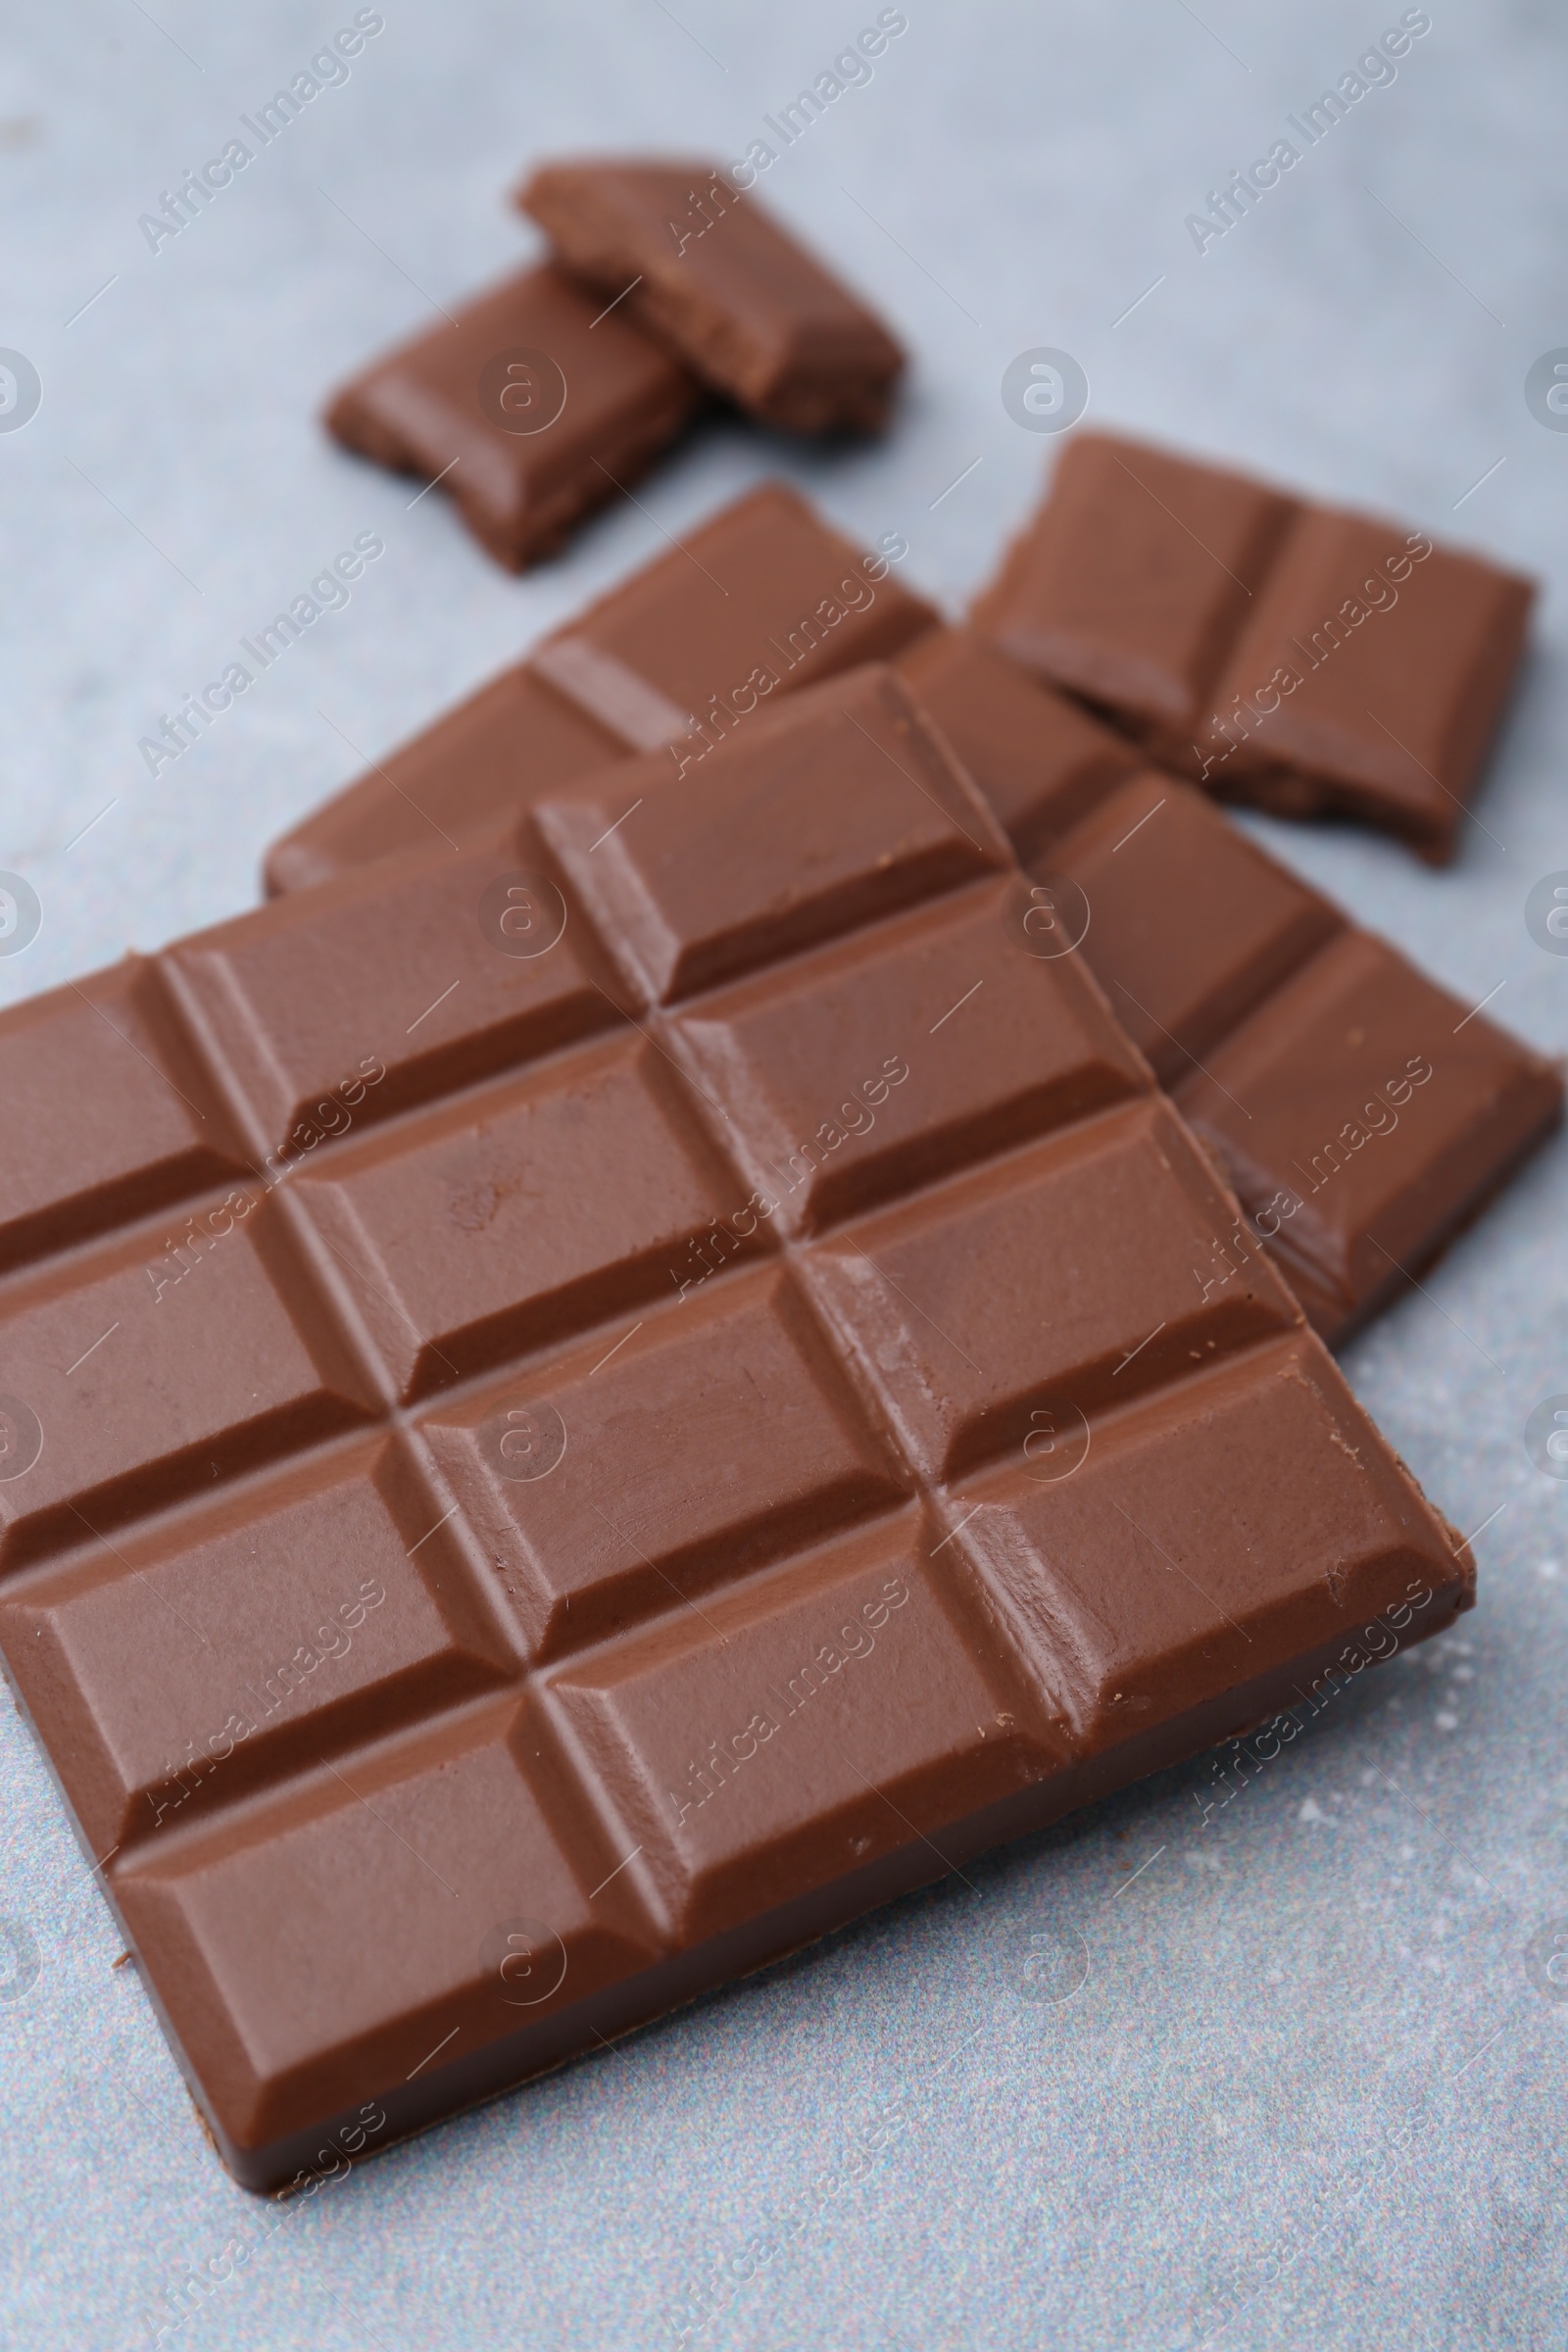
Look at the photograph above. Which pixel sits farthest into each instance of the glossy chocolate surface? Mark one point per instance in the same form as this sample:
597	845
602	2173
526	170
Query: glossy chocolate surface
710	273
608	1401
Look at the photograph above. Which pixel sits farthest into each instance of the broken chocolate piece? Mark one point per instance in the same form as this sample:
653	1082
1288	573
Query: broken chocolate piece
528	408
1280	653
710	273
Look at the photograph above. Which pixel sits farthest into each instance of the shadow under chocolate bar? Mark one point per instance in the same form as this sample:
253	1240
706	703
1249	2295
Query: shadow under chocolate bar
581	1410
1308	661
1363	1115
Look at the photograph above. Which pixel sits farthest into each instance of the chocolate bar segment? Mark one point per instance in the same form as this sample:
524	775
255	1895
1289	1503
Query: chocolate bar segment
333	1615
856	1691
157	1132
537	1509
530	409
1306	660
1039	760
764	599
1367	679
973	1377
1238	982
762	1046
617	1523
1192	926
760	600
711	274
323	1044
882	821
1364	1115
254	1931
1155	1595
1129	585
132	1377
457	1248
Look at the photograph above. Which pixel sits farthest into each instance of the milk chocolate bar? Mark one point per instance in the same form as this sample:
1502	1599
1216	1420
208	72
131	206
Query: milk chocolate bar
1304	659
606	1402
707	271
1362	1114
529	408
762	599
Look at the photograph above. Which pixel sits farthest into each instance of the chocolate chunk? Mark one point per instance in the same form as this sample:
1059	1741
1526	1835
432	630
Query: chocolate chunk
1363	1113
1303	660
530	409
761	599
1367	680
706	1403
786	869
712	275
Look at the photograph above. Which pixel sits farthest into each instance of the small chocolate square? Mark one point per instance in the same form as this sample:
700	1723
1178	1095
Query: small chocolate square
528	407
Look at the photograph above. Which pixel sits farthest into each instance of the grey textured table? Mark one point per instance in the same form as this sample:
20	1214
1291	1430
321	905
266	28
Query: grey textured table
1288	2070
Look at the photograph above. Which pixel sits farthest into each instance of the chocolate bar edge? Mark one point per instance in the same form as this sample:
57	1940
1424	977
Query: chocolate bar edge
594	2026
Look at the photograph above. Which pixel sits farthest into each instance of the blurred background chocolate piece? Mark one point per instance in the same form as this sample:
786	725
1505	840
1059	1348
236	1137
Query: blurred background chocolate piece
1280	653
528	408
714	276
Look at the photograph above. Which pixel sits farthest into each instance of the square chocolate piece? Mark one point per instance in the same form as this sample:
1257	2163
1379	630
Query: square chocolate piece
711	274
529	408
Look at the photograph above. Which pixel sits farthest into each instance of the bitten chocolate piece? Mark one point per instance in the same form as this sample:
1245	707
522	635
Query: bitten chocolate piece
530	409
706	1404
710	273
762	599
1306	661
1363	1113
